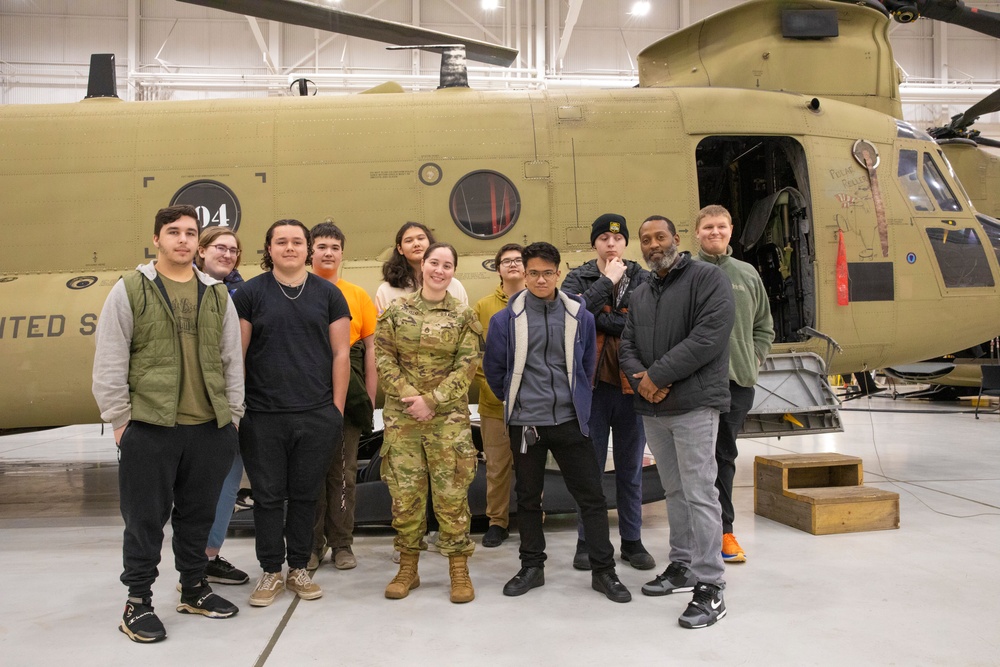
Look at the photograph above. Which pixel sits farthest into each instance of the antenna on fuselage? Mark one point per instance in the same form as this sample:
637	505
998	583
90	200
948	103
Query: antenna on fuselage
101	81
302	87
454	73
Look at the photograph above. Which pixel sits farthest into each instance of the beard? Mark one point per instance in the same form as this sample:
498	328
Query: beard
662	262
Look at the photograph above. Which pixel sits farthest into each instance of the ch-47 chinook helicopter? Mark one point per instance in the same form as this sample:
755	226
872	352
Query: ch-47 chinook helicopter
978	169
820	182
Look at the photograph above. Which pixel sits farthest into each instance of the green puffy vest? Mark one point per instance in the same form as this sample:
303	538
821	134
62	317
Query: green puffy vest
154	374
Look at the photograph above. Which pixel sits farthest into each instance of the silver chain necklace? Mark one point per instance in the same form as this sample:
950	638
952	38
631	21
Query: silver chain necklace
301	288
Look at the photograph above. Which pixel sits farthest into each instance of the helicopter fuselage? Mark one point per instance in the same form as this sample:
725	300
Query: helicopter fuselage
83	181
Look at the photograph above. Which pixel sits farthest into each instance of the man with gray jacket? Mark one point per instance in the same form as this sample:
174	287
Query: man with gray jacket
168	375
675	353
540	358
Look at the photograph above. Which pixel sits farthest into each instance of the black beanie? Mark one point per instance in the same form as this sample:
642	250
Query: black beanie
609	222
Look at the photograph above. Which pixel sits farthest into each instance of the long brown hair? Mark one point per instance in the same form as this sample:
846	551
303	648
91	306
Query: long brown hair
397	271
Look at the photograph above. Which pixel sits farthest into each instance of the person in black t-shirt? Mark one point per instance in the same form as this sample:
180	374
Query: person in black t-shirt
295	328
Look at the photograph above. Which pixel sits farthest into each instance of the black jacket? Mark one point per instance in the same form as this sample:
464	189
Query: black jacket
678	331
598	291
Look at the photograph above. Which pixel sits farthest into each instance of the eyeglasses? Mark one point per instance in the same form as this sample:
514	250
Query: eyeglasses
226	250
514	261
548	275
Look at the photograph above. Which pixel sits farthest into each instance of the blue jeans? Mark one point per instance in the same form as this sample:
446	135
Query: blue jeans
226	504
611	409
684	447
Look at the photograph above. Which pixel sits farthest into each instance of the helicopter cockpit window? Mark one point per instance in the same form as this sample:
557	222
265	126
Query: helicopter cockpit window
485	204
961	257
954	177
992	229
938	186
908	178
906	131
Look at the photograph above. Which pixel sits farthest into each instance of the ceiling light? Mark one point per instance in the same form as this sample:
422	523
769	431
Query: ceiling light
640	8
490	5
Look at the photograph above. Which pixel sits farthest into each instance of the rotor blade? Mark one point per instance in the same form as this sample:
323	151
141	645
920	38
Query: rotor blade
988	104
986	141
308	15
956	12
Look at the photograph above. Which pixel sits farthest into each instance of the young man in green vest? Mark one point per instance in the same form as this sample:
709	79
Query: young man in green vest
168	375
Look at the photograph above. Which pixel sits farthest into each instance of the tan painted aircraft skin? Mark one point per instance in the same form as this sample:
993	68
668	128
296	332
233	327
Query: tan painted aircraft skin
81	184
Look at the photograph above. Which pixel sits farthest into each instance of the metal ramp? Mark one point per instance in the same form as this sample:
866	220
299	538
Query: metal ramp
792	397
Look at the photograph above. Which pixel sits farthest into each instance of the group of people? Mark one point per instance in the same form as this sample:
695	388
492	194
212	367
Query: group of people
202	374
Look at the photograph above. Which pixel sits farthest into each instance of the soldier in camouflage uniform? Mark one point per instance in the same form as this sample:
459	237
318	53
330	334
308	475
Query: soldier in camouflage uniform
427	352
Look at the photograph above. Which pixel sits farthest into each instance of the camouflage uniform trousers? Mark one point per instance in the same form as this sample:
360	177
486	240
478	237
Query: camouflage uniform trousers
438	454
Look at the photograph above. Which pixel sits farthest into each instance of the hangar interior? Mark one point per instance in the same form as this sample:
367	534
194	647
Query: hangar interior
166	49
922	594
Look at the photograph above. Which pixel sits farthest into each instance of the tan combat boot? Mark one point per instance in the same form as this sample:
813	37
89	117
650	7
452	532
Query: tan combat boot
406	579
461	584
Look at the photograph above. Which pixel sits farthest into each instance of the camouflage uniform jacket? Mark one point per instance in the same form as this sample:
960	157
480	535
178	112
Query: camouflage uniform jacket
427	349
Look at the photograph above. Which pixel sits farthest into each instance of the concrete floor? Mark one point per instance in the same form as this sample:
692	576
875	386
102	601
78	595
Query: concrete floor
926	594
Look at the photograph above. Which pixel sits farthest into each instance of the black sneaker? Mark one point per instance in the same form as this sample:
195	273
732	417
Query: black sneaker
676	579
525	579
494	536
581	561
705	608
607	582
221	571
140	623
203	601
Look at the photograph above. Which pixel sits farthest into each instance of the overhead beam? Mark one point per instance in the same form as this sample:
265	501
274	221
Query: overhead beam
473	21
259	36
326	42
571	16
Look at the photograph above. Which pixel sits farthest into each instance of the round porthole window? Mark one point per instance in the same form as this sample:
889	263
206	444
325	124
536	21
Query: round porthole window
485	204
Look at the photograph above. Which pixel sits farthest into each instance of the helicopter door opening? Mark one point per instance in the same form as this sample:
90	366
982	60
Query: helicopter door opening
763	183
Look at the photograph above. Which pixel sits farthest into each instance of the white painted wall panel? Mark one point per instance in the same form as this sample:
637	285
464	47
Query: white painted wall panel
64	7
38	39
974	57
212	44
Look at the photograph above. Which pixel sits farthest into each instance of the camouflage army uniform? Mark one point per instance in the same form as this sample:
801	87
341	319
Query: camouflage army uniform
430	350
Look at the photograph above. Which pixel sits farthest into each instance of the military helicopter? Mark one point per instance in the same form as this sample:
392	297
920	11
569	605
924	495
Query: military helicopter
856	272
978	169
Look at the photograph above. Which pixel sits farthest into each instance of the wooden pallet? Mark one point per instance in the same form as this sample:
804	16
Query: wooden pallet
821	494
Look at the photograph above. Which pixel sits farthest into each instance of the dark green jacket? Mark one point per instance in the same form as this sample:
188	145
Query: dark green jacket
358	408
137	366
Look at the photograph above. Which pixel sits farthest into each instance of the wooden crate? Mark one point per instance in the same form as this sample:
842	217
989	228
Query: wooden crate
821	494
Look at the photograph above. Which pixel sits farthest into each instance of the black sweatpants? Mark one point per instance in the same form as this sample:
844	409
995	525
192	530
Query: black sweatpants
170	472
574	452
287	456
726	452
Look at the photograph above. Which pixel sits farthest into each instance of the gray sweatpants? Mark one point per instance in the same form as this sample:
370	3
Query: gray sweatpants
684	448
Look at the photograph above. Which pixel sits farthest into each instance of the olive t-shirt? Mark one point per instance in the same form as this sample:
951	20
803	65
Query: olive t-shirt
193	405
289	362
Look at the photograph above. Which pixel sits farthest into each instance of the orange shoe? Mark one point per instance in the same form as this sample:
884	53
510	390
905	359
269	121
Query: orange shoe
732	552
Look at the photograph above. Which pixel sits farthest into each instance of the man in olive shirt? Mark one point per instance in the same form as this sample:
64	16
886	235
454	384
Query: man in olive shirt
168	375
